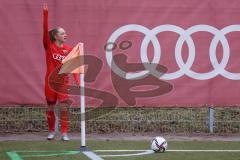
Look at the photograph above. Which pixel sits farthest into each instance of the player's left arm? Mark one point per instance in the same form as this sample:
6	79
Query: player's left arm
76	78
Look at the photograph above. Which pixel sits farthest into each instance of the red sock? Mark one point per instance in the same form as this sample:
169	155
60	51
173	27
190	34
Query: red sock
51	120
64	121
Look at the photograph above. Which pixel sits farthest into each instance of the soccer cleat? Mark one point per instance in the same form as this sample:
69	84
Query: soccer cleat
51	136
65	137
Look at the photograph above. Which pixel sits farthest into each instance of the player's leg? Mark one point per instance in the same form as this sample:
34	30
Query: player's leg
51	98
64	104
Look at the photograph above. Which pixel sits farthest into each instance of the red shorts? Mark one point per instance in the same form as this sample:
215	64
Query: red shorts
58	90
52	96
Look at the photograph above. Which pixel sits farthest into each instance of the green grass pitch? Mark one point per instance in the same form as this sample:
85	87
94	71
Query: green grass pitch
58	150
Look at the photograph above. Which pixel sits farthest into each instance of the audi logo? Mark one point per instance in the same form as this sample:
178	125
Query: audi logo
184	67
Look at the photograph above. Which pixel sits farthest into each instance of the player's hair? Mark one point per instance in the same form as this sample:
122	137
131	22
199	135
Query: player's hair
52	33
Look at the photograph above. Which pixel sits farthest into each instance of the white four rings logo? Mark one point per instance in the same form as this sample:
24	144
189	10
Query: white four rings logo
184	67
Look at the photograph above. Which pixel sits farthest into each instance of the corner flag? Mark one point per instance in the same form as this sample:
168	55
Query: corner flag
73	63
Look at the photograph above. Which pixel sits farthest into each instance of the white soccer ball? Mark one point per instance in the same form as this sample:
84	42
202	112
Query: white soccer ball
159	144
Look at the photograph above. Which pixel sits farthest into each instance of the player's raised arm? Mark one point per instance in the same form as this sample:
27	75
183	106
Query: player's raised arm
46	38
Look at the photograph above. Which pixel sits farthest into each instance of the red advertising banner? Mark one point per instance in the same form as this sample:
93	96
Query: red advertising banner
139	53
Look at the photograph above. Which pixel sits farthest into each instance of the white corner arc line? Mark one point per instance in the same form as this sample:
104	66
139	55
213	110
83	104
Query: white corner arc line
146	152
120	150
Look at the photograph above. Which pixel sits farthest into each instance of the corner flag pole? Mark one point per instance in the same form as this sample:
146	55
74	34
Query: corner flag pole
83	125
91	155
82	101
77	51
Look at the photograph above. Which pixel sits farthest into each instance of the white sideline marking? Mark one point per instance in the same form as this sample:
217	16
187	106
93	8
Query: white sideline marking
146	152
223	150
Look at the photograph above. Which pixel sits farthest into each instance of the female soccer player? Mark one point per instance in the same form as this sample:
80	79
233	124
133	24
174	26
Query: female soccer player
56	50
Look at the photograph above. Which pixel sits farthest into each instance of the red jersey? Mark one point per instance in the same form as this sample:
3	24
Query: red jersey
54	54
